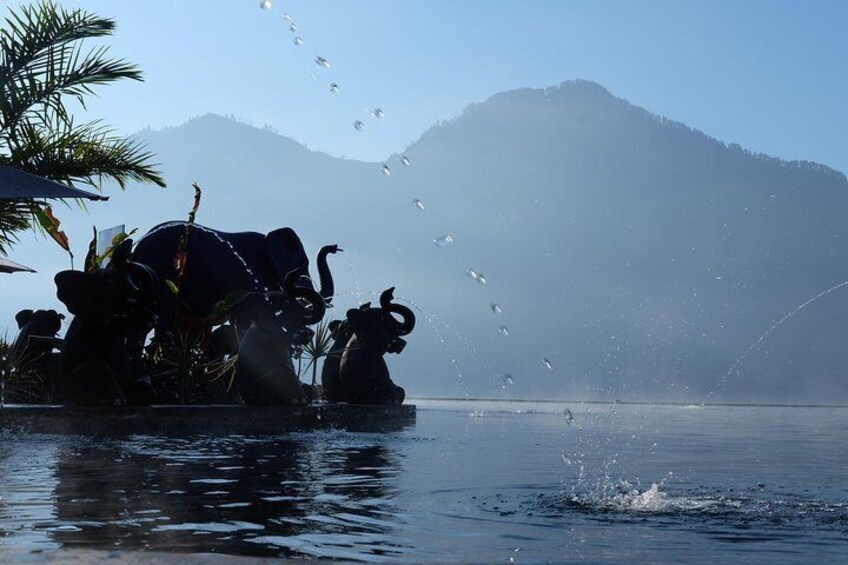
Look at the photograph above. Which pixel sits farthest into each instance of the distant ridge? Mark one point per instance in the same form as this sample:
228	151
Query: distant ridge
637	254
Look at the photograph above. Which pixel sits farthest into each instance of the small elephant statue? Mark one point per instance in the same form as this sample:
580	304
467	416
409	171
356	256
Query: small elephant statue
109	305
355	371
38	334
34	356
264	371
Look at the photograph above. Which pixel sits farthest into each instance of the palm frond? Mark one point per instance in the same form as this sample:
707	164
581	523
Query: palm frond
87	153
42	60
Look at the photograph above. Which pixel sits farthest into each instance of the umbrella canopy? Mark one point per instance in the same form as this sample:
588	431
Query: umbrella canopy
18	185
7	266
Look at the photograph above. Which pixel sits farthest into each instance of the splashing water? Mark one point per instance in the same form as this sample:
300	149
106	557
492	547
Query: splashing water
496	308
386	170
265	4
472	272
547	363
481	278
745	354
443	241
287	16
569	417
297	41
405	161
417	204
377	113
503	330
292	28
357	125
507	381
333	87
322	62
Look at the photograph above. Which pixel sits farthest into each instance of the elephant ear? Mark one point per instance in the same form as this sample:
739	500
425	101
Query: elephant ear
285	252
74	290
23	317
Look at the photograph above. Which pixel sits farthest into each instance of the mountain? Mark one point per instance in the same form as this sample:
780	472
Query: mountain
640	257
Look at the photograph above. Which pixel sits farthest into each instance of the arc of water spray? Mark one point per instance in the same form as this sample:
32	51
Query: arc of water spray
745	354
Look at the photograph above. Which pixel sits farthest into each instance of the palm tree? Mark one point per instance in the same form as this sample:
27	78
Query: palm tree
44	62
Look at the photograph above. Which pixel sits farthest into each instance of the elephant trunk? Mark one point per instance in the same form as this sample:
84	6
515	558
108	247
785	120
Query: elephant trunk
307	316
326	277
408	324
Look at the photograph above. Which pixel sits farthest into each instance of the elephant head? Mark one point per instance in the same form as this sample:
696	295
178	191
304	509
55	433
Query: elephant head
286	253
378	325
120	290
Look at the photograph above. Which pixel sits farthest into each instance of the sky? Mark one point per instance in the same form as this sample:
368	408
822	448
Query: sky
769	75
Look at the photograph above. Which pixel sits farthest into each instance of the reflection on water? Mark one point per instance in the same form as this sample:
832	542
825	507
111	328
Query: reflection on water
328	494
470	482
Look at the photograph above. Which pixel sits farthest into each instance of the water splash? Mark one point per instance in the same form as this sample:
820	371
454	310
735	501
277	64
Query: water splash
405	161
358	125
386	170
287	17
503	330
443	241
472	272
569	417
297	41
333	87
745	354
507	381
293	27
322	62
417	204
547	363
496	308
481	278
378	113
265	4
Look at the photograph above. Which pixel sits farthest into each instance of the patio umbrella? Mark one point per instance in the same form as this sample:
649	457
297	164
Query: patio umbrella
18	185
7	266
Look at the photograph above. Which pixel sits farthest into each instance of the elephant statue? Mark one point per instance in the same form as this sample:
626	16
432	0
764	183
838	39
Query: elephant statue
264	371
38	334
34	360
219	264
109	305
355	371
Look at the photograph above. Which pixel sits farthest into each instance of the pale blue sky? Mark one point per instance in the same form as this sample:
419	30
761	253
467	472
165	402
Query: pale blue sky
770	75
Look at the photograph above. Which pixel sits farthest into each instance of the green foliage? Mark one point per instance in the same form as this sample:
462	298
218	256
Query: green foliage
44	63
317	348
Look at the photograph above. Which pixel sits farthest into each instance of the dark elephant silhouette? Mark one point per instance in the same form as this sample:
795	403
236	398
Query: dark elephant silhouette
38	334
355	371
219	264
264	371
109	305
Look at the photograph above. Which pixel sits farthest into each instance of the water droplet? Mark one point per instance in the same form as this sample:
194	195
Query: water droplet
496	308
386	170
405	161
569	416
265	4
443	241
547	363
292	28
503	330
418	204
297	41
508	380
358	126
472	272
286	16
481	278
322	62
377	113
333	87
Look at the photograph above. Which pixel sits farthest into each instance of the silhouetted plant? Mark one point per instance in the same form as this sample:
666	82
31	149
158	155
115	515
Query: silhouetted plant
43	63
